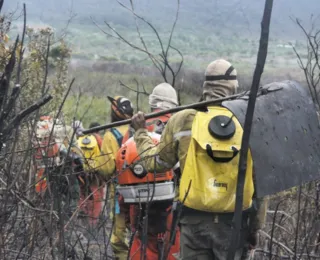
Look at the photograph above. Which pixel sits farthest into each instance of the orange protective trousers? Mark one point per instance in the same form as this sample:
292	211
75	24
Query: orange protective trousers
152	245
93	205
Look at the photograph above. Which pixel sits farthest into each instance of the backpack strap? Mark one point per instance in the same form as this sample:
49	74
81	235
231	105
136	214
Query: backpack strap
117	135
99	140
119	139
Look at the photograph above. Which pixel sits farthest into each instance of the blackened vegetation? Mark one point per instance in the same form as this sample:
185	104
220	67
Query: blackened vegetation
49	227
32	225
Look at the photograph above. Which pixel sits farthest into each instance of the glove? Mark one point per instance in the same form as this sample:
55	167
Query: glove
252	240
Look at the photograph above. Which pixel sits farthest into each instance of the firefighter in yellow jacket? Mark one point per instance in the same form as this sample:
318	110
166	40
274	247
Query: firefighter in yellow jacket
209	168
121	108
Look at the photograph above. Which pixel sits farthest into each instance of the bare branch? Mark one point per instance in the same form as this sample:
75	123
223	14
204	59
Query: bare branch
277	242
22	44
137	91
1	4
19	117
160	61
144	92
311	68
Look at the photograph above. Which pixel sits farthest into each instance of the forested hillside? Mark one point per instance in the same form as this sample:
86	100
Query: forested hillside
204	28
198	15
62	61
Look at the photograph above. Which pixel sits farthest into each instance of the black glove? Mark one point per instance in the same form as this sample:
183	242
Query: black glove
252	240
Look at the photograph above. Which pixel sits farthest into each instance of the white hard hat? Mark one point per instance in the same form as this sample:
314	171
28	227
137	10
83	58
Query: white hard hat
163	96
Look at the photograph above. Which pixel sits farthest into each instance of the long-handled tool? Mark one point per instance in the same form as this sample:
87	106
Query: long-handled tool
164	112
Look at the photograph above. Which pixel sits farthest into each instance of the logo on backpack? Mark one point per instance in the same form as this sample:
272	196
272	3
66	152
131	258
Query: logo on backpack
217	184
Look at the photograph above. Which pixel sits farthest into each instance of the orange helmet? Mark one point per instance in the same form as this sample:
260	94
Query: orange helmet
121	108
133	178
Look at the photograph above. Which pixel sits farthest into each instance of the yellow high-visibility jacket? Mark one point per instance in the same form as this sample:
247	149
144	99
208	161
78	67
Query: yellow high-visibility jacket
106	162
173	148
